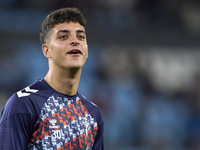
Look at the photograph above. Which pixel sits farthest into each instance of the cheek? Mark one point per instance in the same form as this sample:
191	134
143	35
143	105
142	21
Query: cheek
86	51
56	51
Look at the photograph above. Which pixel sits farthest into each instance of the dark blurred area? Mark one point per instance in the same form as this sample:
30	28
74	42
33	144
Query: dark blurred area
143	69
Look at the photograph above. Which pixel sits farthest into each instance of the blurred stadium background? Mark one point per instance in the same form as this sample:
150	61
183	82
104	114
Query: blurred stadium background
143	68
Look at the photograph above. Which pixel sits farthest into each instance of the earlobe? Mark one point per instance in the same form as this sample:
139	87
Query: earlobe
46	51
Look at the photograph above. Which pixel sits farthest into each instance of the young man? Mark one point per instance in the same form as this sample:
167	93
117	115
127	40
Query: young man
50	113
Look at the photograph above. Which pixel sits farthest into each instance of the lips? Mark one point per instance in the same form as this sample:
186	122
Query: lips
74	51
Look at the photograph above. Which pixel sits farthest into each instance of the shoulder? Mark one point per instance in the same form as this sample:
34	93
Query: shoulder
92	108
26	101
87	103
14	105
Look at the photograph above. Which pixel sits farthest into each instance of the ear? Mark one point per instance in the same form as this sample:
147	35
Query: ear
46	51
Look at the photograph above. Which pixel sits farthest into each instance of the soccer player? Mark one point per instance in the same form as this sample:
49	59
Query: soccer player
51	114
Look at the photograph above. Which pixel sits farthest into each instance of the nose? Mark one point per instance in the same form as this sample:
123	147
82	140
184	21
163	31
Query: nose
74	41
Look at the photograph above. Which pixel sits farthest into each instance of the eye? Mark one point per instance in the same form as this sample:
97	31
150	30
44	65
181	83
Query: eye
81	37
63	37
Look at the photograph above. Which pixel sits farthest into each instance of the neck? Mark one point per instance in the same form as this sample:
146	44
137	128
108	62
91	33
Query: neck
64	81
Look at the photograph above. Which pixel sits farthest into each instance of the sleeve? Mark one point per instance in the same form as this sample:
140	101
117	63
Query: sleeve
15	125
14	132
99	141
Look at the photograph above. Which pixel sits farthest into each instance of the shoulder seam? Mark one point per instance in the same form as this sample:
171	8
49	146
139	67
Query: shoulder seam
15	114
82	96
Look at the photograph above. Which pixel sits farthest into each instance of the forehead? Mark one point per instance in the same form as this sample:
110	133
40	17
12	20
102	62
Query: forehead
71	26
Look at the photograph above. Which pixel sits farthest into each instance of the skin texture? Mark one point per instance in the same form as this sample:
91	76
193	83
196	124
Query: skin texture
67	51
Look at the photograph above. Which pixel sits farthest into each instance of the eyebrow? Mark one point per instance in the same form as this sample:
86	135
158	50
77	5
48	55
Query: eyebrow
67	31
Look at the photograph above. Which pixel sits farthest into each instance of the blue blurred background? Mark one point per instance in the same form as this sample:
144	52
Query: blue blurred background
143	69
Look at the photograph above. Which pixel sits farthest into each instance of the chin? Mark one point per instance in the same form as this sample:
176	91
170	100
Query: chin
75	66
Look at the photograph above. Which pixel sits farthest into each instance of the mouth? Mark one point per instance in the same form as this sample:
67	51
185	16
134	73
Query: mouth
74	52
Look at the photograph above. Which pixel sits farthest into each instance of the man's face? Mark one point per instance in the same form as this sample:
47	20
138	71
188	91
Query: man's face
67	46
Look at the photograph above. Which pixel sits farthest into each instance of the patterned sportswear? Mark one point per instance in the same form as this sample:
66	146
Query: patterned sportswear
38	117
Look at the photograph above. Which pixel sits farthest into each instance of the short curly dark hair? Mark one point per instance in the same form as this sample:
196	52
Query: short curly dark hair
60	16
